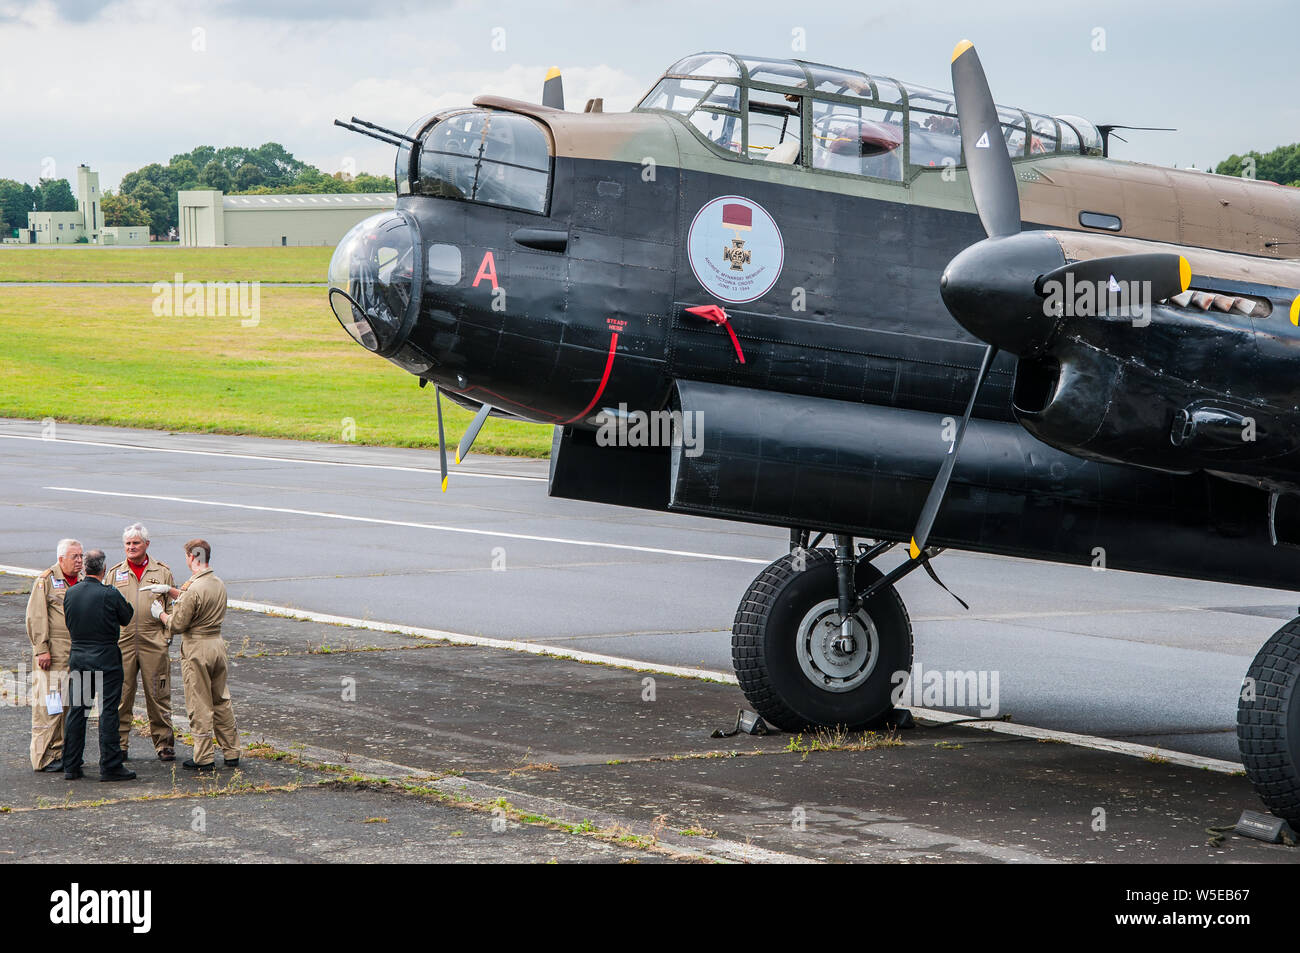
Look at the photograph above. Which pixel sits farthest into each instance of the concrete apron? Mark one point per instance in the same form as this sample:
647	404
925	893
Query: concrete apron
377	746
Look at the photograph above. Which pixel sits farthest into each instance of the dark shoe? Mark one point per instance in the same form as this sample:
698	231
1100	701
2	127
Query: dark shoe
166	754
53	766
76	775
189	765
117	774
232	762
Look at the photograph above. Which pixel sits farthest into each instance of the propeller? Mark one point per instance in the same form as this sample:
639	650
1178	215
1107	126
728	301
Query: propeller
442	440
940	487
475	425
995	288
553	89
992	180
1168	274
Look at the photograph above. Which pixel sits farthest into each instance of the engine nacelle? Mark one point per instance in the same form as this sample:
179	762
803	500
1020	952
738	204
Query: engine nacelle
1096	405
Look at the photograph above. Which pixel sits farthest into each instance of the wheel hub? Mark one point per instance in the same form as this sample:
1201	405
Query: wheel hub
832	658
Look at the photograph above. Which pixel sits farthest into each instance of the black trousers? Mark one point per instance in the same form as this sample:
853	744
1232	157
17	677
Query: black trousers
85	663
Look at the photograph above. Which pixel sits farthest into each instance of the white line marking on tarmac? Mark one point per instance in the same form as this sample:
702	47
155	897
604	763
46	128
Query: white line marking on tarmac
456	638
271	459
437	527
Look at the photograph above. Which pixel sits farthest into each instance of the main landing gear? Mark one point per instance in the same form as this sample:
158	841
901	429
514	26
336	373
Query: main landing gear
822	639
820	635
1268	723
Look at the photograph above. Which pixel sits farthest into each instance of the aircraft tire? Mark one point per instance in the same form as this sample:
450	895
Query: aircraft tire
1268	724
768	664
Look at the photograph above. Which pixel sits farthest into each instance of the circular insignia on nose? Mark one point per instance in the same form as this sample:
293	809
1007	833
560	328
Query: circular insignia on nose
735	249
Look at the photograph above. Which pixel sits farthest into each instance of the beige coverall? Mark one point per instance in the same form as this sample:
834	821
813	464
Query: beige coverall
145	652
48	632
197	618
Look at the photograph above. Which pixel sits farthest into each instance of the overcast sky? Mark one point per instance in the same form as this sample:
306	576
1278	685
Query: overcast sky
121	84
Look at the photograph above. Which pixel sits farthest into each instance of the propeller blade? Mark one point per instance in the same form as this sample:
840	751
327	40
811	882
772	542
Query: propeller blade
1168	274
442	442
992	180
475	425
940	487
553	89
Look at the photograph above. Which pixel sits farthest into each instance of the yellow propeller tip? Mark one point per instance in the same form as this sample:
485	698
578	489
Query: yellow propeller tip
1184	272
458	458
552	73
961	48
1295	311
913	550
444	484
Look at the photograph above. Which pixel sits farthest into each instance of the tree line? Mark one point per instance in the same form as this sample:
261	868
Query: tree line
19	198
147	196
1282	165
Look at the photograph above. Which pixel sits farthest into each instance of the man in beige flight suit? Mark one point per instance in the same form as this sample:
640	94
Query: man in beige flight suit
145	644
197	616
51	646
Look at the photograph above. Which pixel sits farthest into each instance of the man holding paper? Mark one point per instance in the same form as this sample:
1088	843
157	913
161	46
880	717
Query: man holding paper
200	609
96	613
50	648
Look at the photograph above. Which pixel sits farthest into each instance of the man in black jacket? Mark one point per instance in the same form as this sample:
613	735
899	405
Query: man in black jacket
95	619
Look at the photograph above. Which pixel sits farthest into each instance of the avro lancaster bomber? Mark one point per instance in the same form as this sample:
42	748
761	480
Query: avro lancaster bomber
900	317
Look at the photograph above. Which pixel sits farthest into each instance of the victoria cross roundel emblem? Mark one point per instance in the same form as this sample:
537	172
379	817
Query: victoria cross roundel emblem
735	249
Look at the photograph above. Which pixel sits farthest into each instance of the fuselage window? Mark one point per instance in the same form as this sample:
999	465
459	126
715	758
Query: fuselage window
495	158
444	264
1110	223
860	140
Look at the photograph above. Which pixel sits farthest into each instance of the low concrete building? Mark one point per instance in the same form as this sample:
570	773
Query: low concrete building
209	218
124	235
67	228
56	228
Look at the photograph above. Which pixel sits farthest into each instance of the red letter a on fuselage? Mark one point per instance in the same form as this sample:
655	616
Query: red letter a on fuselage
487	270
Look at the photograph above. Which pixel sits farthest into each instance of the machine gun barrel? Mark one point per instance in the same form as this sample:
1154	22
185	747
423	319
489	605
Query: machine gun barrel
372	135
391	132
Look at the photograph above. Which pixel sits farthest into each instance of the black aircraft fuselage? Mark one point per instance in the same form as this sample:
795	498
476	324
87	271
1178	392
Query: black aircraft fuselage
840	413
772	291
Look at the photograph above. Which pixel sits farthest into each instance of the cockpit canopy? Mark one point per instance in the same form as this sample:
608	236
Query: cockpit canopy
478	155
799	113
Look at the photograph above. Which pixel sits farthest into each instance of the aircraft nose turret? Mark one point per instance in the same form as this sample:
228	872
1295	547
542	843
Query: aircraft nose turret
374	281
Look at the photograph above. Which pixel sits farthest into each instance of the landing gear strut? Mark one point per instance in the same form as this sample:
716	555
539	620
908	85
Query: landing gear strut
1268	723
819	636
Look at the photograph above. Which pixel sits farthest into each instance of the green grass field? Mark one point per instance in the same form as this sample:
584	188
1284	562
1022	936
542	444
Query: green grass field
99	355
86	263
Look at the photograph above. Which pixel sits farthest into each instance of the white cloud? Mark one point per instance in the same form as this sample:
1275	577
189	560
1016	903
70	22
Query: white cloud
119	84
253	82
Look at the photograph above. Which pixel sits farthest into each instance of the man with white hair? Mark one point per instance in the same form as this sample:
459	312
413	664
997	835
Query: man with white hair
51	647
145	643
